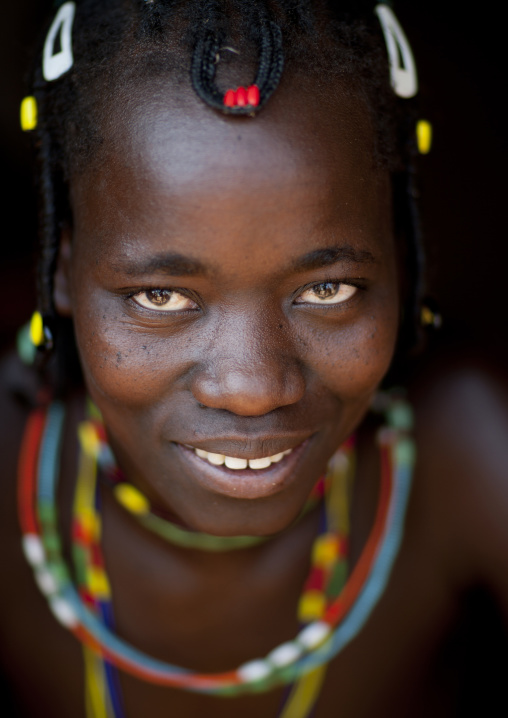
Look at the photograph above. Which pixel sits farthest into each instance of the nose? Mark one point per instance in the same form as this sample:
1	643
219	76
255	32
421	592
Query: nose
251	368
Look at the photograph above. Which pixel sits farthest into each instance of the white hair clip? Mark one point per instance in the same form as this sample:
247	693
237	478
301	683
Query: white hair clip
56	64
403	76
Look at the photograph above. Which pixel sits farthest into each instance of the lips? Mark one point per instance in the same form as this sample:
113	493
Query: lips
242	477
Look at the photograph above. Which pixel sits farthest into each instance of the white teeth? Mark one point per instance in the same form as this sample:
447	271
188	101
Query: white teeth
233	462
260	463
278	457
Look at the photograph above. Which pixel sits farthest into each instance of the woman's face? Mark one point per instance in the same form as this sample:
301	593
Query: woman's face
233	285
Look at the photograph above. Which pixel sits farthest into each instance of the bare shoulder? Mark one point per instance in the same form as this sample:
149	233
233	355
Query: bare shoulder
461	405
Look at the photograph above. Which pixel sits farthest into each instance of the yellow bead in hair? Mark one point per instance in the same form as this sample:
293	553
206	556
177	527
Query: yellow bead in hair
429	318
424	136
37	329
28	114
132	499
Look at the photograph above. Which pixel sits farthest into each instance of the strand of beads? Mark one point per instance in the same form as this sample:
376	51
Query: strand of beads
101	678
102	686
326	554
133	501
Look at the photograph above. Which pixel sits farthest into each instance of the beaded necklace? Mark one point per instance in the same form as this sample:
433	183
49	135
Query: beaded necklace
328	571
314	646
93	440
326	578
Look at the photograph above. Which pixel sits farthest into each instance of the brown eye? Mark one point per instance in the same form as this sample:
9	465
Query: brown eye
327	293
326	290
163	300
159	296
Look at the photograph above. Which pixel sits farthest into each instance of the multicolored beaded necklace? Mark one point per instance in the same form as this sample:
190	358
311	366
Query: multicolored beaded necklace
326	578
93	440
334	616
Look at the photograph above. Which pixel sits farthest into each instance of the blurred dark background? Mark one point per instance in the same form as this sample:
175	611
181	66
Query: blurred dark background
462	74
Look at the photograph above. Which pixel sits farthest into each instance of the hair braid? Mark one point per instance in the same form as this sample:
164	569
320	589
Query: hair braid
271	59
48	215
151	20
203	68
49	239
266	33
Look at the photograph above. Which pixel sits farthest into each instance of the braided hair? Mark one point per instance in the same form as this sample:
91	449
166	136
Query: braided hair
116	40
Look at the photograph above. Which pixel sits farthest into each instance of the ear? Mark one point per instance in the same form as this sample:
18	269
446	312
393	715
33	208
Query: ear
62	294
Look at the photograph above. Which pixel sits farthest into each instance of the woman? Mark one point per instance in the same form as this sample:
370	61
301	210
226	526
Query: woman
238	257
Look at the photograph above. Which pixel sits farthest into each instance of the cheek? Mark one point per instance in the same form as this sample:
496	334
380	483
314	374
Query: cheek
120	361
352	361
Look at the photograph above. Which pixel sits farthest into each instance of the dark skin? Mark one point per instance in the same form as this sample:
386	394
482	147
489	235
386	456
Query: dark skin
272	242
244	359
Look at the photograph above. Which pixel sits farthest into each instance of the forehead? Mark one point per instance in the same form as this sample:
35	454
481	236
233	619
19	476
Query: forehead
166	158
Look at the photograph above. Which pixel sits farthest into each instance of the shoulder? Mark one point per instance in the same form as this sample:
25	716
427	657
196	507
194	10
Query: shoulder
19	387
18	393
461	431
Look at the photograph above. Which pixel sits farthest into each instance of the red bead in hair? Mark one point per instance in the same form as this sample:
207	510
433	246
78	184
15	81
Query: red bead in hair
253	95
241	97
230	98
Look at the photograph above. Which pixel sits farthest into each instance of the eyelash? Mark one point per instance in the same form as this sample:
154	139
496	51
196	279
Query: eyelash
357	283
129	297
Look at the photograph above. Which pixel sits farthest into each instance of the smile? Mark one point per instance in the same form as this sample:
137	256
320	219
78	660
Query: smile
240	477
238	464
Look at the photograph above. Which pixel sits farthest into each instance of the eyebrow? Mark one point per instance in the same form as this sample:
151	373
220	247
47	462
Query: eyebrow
174	264
331	255
170	264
